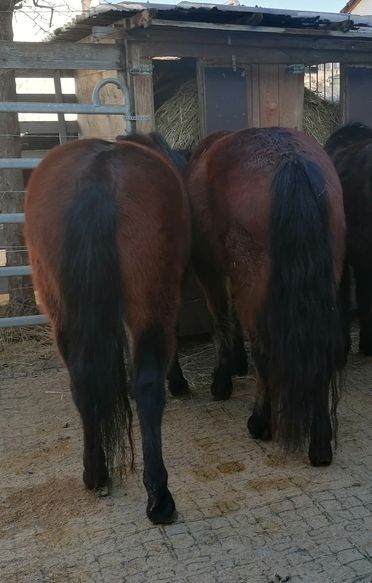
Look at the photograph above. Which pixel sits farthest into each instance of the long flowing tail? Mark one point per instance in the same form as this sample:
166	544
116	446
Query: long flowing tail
302	335
92	330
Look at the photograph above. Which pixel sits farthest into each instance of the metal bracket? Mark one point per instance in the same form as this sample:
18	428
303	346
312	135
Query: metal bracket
145	69
296	69
138	117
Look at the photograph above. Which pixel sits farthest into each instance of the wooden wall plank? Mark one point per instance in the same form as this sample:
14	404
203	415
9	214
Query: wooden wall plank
253	95
59	55
269	95
291	98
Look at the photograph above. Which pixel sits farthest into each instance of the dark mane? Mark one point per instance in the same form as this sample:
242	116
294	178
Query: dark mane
347	135
156	141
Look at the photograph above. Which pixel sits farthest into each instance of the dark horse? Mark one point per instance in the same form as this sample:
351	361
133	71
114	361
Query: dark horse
108	229
268	245
350	147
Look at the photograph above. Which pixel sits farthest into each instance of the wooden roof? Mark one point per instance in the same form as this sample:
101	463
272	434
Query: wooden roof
297	22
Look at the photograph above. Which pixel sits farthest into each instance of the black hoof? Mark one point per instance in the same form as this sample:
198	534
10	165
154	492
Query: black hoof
105	490
320	456
259	428
101	483
222	389
179	387
162	509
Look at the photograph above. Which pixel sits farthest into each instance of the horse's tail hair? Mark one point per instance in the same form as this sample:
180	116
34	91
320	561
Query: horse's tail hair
92	328
302	334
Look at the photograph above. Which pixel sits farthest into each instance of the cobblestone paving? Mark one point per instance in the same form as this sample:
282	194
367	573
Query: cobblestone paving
247	513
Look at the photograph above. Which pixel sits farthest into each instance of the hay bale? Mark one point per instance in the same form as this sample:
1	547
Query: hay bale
177	119
321	117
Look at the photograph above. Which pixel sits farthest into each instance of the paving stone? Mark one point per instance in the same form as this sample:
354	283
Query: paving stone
246	511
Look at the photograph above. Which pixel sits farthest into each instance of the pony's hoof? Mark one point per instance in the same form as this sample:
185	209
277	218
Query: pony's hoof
259	428
320	456
101	484
162	509
222	390
180	388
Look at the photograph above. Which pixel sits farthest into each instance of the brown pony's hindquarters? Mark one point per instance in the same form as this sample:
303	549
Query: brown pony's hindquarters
350	148
108	229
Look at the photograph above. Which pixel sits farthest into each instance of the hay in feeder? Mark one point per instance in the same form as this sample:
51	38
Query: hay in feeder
177	119
321	117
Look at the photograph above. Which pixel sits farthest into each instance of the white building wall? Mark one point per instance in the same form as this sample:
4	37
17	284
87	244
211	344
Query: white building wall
364	8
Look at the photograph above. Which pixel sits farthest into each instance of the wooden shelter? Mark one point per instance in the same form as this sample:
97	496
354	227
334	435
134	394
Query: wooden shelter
248	61
248	64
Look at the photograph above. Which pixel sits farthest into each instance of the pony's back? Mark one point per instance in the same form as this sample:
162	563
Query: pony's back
347	135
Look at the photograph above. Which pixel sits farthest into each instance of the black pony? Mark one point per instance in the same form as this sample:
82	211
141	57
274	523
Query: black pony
350	148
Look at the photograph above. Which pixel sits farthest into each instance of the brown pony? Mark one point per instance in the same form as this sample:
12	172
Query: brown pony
350	148
107	225
268	243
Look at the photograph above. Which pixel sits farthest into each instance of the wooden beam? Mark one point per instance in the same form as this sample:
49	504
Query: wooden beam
45	97
142	89
41	73
252	39
252	54
45	128
58	55
257	29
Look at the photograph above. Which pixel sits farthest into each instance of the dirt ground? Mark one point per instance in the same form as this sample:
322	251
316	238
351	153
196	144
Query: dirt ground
247	513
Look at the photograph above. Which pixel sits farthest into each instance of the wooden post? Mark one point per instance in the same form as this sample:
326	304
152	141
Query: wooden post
62	128
141	82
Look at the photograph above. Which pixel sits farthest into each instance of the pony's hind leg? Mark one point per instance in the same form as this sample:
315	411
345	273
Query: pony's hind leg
177	384
95	473
320	448
213	282
150	371
363	281
239	355
260	422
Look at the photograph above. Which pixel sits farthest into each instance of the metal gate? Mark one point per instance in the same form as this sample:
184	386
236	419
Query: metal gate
94	108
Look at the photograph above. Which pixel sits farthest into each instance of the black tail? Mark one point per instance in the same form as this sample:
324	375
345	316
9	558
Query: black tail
92	329
302	335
